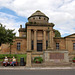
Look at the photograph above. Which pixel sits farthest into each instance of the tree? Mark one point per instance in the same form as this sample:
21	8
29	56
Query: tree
57	33
3	32
10	37
6	36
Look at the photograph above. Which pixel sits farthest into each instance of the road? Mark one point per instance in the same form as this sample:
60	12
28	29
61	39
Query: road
37	72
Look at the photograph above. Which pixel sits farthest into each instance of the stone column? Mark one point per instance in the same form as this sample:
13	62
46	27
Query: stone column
44	40
28	39
28	59
35	40
51	39
48	39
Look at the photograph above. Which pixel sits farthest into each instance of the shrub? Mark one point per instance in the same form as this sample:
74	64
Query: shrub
74	58
38	59
2	56
21	56
17	56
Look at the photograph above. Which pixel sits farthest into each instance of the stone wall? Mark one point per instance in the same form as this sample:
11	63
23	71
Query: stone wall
5	49
38	19
62	43
56	56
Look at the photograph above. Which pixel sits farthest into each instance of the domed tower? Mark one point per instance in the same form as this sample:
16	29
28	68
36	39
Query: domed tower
38	29
38	17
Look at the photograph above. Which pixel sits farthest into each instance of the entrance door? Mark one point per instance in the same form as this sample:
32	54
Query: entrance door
39	46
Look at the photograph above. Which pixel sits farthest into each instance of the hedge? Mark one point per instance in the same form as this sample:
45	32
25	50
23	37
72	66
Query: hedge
17	56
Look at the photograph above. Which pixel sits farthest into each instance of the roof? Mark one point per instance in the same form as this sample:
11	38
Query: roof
70	35
58	37
38	13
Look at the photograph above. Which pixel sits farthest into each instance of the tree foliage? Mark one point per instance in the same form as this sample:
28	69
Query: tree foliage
3	33
57	33
6	35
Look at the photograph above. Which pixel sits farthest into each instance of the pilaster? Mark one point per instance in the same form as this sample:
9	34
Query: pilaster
44	39
28	39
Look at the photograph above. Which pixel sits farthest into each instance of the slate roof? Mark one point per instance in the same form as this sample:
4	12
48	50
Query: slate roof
38	13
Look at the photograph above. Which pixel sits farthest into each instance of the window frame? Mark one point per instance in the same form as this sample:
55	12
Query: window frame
18	46
73	46
57	46
32	45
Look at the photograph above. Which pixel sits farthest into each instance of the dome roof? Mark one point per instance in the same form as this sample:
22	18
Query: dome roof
38	13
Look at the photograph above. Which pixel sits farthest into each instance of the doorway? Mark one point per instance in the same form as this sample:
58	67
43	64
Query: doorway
39	46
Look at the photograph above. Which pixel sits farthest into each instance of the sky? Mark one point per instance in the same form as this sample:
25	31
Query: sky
14	13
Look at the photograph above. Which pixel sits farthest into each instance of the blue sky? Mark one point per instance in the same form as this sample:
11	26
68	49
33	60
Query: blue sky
60	12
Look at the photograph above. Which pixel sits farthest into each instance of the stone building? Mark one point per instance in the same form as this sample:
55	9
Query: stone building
38	36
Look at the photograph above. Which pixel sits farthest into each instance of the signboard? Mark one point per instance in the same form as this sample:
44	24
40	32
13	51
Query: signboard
56	55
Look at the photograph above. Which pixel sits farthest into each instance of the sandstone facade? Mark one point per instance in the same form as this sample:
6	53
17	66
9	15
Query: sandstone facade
38	36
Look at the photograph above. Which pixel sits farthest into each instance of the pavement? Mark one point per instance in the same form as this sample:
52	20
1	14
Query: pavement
33	68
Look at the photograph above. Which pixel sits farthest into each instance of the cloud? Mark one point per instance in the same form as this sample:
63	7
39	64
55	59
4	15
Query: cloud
10	22
60	12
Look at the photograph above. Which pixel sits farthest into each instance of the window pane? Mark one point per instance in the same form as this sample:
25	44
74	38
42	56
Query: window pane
57	45
73	46
18	46
32	45
46	44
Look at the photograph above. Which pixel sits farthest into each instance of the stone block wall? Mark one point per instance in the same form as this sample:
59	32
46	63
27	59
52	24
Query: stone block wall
5	49
62	43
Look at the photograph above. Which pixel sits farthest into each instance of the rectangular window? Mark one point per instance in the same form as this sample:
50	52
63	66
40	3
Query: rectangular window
73	46
46	44
57	45
32	45
18	46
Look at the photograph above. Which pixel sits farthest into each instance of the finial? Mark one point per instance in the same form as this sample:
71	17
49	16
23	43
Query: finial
20	26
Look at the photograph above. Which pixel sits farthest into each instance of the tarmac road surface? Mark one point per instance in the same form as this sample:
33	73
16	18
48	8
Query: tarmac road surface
38	72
